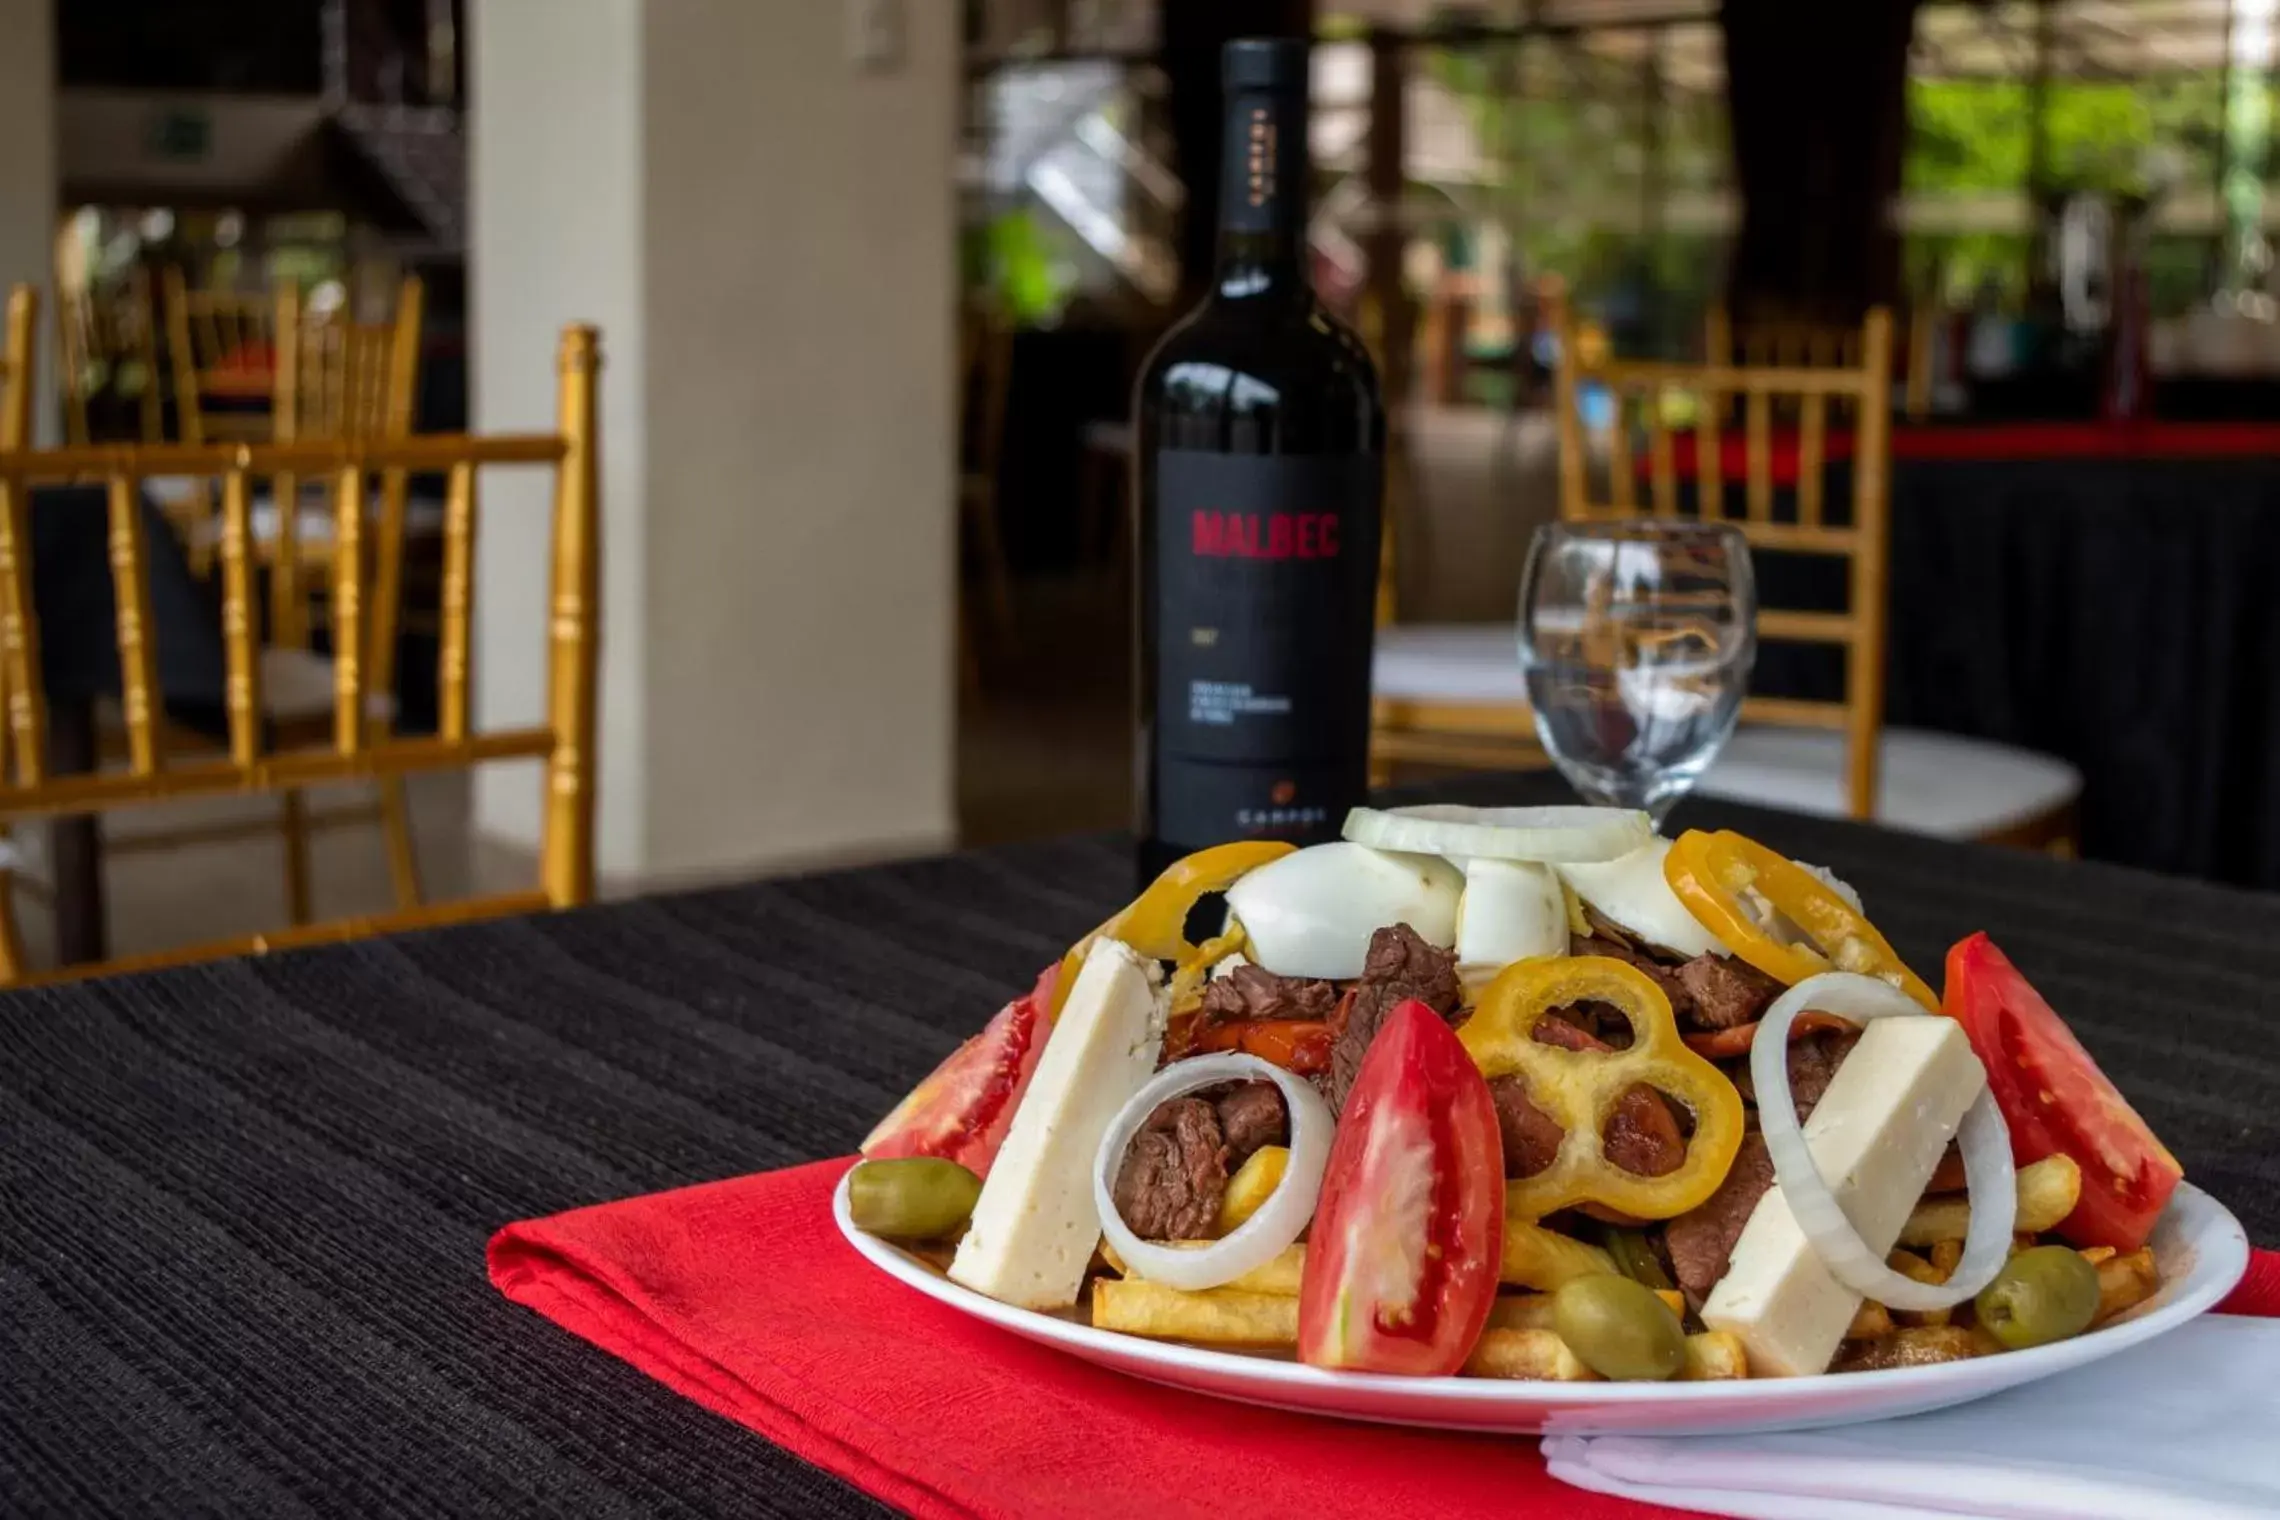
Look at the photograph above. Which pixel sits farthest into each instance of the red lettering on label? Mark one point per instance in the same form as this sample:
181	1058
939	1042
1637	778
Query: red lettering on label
1210	534
1287	535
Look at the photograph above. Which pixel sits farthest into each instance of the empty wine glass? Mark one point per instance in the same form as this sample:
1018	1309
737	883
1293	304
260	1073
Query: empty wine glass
1636	639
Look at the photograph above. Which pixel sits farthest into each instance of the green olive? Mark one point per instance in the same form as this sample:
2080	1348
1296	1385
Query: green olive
1619	1329
2042	1295
915	1198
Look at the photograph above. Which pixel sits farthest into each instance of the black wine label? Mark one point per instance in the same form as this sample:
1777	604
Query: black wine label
1265	594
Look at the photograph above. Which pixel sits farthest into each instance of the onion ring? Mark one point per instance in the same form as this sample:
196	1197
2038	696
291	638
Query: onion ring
1519	833
1983	1138
1261	1238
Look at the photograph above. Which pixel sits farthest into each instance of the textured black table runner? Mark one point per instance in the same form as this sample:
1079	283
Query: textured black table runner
243	1206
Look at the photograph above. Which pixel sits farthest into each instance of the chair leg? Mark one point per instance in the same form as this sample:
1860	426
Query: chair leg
11	942
293	825
396	833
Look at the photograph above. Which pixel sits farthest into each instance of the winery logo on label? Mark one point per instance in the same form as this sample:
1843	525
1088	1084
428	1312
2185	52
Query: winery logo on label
1265	535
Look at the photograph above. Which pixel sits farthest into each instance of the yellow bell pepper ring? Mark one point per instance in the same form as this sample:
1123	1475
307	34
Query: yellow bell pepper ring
1580	1088
1155	922
1711	872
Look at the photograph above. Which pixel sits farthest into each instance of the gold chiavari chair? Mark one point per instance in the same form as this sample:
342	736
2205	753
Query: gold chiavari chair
1826	756
331	378
101	338
1830	756
16	339
1781	340
351	749
221	346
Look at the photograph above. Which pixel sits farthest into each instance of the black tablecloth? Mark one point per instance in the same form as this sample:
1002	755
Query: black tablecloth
75	596
2120	614
243	1206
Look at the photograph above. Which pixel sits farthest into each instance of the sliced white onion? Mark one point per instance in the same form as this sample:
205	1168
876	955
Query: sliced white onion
1518	833
1983	1138
1257	1240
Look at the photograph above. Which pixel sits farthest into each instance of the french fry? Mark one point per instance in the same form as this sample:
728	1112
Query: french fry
1219	1317
1537	1355
2097	1256
1908	1264
1714	1356
1279	1276
2048	1191
1870	1322
1915	1346
1541	1356
1946	1254
2123	1282
1253	1184
1533	1311
1535	1257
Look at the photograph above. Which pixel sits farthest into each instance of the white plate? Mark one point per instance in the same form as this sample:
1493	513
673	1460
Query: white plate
2200	1246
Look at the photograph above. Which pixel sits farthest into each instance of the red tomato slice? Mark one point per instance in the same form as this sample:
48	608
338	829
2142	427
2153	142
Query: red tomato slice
2055	1099
963	1109
1402	1260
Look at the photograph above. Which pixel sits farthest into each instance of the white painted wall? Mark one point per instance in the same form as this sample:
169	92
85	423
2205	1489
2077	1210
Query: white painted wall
802	271
27	167
766	235
555	206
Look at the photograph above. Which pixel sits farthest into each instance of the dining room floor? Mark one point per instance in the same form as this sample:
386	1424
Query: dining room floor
165	897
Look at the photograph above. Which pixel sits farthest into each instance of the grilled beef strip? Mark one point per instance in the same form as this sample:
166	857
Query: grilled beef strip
1701	1240
1707	991
1174	1174
1400	965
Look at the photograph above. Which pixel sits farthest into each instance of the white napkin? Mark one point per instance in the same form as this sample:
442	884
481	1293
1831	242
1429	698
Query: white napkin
2186	1425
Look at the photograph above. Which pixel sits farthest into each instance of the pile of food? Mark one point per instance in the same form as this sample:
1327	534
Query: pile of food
1527	1093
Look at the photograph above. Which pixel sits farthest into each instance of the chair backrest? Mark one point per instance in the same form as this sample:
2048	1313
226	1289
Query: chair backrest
1791	341
101	337
564	741
348	379
1646	399
221	348
338	378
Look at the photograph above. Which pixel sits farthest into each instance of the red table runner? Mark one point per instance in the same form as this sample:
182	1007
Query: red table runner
742	1296
2007	442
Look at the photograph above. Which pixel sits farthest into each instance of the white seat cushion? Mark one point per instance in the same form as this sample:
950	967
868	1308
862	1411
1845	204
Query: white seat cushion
298	684
1927	783
1449	662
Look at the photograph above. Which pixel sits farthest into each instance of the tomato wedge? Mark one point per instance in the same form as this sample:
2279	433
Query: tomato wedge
1402	1260
2056	1099
964	1107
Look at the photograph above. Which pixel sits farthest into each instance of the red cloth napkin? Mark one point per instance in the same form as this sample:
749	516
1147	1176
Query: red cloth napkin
742	1296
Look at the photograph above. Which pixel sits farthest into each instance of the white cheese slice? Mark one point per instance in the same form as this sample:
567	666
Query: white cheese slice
1034	1226
1876	1134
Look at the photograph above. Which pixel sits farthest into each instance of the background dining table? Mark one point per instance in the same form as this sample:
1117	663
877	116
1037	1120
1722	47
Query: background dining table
243	1206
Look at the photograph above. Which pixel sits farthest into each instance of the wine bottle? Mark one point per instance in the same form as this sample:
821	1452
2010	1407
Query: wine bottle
1259	437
